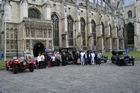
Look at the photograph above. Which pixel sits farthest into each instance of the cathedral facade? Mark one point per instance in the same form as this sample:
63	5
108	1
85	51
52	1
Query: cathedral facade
35	25
132	26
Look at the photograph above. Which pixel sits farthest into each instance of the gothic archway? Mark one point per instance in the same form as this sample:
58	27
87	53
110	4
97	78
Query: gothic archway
103	36
38	48
93	26
82	21
34	13
130	35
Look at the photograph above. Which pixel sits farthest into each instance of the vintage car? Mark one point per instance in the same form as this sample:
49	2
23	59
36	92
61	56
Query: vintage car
121	58
101	58
53	58
20	64
70	54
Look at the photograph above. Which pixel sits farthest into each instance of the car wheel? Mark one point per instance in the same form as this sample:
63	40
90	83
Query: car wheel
119	63
31	69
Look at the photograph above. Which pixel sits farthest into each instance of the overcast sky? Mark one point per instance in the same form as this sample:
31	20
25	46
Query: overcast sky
128	2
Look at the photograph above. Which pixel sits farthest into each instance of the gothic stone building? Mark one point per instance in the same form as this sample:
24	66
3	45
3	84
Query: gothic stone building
132	26
52	24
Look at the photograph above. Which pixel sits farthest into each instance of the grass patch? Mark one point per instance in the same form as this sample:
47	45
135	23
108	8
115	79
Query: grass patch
2	65
135	54
108	54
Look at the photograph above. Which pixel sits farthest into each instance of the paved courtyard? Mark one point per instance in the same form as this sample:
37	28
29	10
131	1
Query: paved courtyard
106	78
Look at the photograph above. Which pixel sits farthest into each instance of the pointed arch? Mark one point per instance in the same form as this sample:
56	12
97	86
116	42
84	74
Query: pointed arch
55	21
34	13
38	48
110	30
130	35
93	26
103	29
70	30
82	23
103	35
129	13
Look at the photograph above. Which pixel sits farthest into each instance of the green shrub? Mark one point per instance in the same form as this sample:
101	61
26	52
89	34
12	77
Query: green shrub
2	65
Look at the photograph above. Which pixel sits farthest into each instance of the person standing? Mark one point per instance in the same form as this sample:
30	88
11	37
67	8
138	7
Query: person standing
42	57
82	59
88	57
93	57
38	60
63	55
43	64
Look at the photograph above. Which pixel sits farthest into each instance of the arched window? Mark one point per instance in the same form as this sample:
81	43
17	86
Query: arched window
129	14
93	26
70	31
83	30
103	35
103	31
130	34
34	13
55	21
110	29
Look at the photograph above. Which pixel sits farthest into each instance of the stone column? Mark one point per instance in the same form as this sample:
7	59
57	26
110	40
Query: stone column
7	12
137	37
47	12
100	45
66	29
23	9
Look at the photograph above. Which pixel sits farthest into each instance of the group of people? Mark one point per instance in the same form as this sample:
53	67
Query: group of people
40	61
88	57
63	58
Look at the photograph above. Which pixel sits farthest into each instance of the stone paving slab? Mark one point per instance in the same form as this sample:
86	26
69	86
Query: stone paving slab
106	78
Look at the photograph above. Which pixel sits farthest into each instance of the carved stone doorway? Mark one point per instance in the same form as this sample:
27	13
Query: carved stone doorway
38	48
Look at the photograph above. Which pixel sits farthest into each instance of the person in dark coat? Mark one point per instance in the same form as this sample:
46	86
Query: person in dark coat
89	57
63	55
95	58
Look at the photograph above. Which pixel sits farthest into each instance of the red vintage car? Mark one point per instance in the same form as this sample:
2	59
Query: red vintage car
20	64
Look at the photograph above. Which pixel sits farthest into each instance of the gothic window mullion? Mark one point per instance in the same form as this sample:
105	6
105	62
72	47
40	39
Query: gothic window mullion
55	21
83	30
70	31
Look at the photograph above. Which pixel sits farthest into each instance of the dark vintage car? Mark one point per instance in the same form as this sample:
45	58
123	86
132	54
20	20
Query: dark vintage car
121	58
70	54
101	58
20	64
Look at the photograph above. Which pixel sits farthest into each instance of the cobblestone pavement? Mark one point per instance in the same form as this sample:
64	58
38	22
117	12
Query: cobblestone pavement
106	78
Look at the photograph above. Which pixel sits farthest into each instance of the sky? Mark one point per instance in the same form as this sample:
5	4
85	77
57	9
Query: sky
128	2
